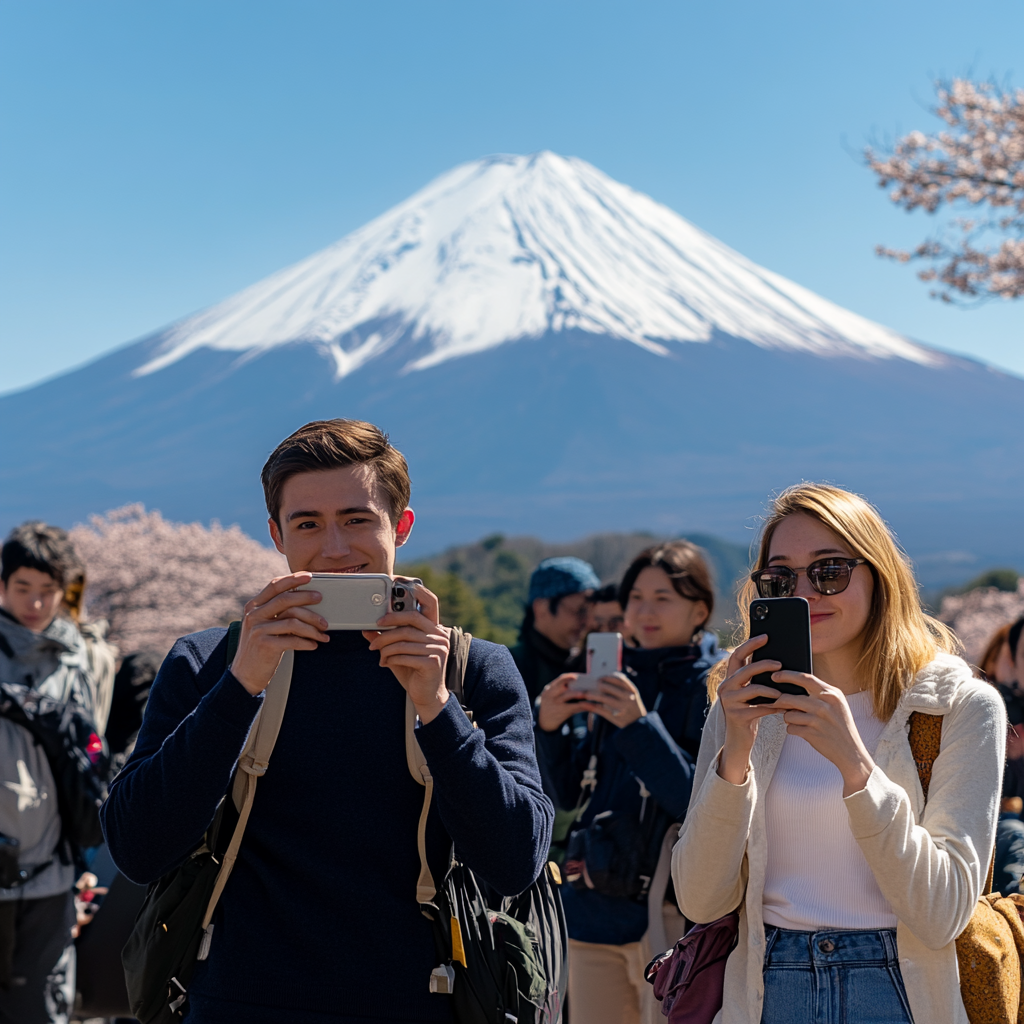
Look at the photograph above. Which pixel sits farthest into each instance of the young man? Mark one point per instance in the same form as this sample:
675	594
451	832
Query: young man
44	650
556	611
319	922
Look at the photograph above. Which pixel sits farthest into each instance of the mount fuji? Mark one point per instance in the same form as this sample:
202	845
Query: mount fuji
555	353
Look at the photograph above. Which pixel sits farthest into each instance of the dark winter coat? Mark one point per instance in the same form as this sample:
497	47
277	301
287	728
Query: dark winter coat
660	748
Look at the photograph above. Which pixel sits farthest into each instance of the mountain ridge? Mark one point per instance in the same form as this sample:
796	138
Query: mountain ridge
507	248
556	434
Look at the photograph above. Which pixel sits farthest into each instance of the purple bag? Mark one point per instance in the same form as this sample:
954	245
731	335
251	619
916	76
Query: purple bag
688	979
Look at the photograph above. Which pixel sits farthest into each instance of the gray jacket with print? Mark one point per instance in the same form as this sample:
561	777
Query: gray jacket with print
54	662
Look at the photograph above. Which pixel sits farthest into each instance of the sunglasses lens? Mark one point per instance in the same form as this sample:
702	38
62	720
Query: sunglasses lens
829	576
775	582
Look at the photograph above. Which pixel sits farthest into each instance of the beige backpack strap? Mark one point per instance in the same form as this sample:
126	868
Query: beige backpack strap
455	676
253	763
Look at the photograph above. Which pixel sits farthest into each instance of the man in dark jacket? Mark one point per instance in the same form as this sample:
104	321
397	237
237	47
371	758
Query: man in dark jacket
556	612
319	921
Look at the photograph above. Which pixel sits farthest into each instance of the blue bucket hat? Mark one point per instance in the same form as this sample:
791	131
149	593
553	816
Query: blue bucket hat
556	577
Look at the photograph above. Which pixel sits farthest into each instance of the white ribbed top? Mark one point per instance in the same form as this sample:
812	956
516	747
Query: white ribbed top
816	875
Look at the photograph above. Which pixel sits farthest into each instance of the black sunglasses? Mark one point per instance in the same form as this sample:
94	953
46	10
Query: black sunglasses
827	575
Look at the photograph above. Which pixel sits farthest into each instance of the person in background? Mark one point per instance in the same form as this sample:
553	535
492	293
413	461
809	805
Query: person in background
998	667
39	647
1006	670
808	817
556	613
644	734
128	704
101	653
604	613
996	664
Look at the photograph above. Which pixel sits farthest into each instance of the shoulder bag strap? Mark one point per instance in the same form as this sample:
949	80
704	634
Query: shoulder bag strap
253	763
455	679
925	740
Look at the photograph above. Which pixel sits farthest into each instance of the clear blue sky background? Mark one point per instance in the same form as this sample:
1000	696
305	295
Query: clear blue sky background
156	157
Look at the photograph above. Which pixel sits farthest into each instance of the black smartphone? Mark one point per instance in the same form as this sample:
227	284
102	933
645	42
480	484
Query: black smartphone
787	622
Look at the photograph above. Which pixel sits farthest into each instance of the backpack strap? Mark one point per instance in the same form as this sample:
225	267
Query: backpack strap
925	740
234	634
253	762
455	679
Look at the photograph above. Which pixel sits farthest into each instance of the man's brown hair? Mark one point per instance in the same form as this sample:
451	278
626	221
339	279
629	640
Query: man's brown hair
330	444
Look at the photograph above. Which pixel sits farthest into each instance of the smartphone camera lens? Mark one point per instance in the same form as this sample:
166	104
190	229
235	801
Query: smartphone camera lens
760	612
399	592
399	605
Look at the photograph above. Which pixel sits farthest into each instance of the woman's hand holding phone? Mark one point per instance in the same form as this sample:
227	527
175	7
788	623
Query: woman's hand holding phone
559	702
741	717
617	700
824	719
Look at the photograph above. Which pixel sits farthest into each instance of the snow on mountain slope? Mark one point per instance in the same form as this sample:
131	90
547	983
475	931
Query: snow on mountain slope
514	247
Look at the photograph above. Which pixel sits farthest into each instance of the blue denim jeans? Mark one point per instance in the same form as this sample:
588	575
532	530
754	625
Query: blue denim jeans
833	977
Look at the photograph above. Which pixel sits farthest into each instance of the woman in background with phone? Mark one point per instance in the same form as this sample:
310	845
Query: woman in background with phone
629	776
807	814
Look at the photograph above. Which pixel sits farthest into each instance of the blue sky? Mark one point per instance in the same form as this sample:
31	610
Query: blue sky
155	158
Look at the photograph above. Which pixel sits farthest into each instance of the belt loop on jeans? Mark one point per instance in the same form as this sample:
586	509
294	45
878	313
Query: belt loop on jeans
892	956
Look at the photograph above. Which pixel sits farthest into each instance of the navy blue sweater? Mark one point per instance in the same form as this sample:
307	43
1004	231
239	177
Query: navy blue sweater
660	748
320	917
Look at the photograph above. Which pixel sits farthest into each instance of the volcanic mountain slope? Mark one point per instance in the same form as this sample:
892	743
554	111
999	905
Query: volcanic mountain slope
556	354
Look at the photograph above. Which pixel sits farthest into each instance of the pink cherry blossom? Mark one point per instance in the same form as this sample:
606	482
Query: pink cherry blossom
978	161
154	580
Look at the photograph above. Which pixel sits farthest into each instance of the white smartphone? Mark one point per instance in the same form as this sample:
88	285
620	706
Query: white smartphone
358	600
604	658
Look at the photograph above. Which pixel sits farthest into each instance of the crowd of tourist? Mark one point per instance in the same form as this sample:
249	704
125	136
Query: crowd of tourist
649	800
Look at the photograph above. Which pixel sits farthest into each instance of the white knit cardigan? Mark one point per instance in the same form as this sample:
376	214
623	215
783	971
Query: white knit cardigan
929	861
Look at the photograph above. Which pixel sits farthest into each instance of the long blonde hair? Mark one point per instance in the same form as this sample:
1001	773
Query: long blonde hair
899	639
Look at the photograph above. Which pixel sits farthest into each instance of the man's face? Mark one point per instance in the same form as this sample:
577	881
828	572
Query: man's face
565	626
336	520
32	597
604	617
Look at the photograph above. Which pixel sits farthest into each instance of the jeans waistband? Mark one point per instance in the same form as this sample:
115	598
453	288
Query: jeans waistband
830	947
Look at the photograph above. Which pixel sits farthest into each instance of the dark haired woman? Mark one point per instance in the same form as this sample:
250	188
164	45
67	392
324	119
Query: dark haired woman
637	757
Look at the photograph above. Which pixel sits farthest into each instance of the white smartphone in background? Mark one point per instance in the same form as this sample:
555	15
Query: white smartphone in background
358	600
604	658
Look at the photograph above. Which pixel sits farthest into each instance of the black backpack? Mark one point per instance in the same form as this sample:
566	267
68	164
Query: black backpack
77	754
502	958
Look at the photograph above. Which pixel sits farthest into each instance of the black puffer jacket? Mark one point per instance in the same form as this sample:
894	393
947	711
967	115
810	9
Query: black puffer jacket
660	749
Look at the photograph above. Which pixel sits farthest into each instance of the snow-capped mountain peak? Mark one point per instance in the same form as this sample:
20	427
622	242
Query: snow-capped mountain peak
514	247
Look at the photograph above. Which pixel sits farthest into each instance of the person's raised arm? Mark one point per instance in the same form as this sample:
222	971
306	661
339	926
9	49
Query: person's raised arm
196	724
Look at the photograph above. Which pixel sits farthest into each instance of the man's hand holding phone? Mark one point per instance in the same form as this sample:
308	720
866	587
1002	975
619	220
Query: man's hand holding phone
275	621
414	645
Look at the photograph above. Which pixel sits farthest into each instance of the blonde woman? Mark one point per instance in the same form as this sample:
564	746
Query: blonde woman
807	815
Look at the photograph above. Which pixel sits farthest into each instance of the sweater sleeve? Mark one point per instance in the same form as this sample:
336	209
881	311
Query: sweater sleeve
196	725
486	780
653	755
933	873
709	868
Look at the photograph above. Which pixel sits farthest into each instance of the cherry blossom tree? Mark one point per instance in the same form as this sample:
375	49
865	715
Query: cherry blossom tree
155	580
976	615
977	162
